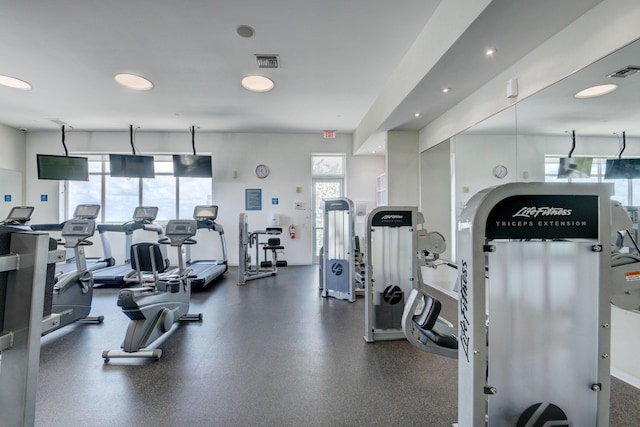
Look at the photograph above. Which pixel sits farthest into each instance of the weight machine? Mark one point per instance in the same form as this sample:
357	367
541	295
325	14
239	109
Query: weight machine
247	270
390	269
339	249
533	341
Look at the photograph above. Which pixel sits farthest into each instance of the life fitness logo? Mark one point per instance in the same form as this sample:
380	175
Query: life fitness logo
336	269
543	414
533	212
392	294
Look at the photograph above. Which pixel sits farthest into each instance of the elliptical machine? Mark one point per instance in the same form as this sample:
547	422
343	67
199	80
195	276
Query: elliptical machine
156	306
73	293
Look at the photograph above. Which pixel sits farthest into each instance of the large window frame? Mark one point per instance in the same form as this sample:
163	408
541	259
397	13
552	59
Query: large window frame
178	202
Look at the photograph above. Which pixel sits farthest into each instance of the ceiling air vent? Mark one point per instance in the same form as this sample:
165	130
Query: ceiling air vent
626	71
267	61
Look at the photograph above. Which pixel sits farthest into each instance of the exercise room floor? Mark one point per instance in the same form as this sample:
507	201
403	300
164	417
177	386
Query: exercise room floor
270	353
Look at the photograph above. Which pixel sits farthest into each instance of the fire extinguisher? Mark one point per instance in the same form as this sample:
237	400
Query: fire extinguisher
292	231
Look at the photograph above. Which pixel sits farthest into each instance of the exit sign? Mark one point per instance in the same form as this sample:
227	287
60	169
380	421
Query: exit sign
329	134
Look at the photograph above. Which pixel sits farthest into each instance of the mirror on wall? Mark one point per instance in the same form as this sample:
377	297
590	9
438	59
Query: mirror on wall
523	137
543	123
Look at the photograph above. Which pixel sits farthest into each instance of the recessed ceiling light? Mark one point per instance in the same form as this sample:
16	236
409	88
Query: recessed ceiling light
446	89
257	83
491	51
594	91
133	81
14	83
417	114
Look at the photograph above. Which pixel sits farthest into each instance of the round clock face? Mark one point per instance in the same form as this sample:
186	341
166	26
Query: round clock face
262	171
500	171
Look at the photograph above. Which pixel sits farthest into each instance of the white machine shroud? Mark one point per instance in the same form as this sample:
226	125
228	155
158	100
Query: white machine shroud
543	305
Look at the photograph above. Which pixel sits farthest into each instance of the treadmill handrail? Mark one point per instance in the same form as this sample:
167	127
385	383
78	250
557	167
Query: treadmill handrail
127	227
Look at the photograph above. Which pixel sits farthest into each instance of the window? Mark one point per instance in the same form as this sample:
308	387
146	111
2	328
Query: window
327	172
175	197
327	166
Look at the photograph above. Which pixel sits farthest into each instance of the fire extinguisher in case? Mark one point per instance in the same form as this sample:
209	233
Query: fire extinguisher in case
292	231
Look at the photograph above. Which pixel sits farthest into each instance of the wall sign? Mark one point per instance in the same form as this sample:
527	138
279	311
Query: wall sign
544	217
253	199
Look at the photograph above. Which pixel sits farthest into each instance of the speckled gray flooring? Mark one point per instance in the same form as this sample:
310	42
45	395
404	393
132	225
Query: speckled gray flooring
270	353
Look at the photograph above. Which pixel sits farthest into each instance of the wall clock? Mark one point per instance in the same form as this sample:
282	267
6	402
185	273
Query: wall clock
262	171
500	171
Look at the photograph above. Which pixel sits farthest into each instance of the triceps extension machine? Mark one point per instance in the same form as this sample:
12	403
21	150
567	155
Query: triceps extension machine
533	340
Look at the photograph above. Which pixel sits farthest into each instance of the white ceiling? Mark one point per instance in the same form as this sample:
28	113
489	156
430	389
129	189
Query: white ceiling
555	110
336	57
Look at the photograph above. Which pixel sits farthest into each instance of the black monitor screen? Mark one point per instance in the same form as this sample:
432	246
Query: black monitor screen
622	169
20	213
189	165
145	213
130	166
205	212
575	167
87	211
63	167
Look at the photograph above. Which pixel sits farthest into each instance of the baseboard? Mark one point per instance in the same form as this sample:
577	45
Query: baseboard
623	376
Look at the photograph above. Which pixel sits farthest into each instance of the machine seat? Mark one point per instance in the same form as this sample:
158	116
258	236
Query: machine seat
145	253
273	244
426	320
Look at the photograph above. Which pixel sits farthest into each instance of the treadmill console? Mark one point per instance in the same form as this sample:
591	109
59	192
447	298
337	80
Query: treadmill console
19	215
205	212
145	214
79	228
86	211
181	227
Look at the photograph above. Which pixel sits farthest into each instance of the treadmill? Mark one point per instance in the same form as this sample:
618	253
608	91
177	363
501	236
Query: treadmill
143	219
204	272
82	212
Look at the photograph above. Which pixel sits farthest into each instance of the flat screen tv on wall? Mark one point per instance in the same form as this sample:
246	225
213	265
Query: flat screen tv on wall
62	167
191	165
575	167
131	166
622	169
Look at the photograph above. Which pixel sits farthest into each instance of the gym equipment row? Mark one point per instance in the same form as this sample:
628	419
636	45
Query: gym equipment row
249	269
532	341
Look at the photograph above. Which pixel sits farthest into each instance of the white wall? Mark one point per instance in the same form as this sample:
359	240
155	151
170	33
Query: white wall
13	145
287	155
402	167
